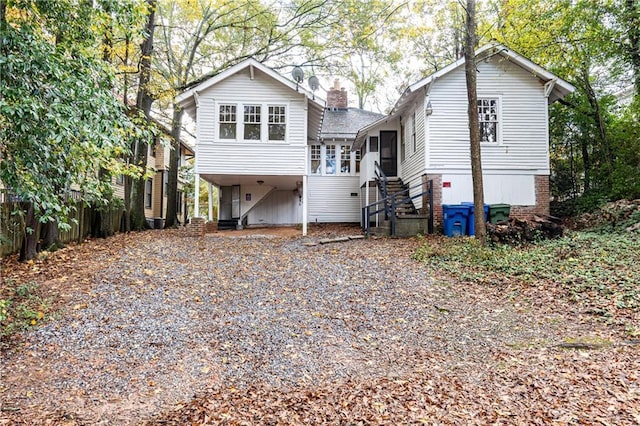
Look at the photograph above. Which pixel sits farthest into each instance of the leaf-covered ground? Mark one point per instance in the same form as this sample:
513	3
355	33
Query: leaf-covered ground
157	328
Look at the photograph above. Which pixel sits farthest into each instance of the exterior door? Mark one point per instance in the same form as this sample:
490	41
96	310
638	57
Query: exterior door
389	152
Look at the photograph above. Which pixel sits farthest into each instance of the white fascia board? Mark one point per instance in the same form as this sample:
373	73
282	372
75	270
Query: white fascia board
184	96
561	88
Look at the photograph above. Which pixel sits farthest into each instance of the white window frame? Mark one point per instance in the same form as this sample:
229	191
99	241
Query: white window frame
225	104
284	116
353	159
499	119
261	121
414	142
318	158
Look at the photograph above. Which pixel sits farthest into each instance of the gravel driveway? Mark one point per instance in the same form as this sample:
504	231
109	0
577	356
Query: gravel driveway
169	316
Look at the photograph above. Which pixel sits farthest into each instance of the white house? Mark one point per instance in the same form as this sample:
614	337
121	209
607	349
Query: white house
334	167
279	157
426	135
259	140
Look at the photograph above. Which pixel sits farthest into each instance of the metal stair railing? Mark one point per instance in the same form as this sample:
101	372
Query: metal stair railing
391	200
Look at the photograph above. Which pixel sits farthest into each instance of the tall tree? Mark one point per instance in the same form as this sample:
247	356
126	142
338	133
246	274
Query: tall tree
361	43
59	120
582	42
144	100
199	39
474	126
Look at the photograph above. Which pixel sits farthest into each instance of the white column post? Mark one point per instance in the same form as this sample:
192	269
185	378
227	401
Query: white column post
196	201
210	202
305	208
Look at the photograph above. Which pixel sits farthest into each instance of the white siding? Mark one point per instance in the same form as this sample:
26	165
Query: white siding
250	159
279	208
330	199
414	160
517	190
524	142
258	157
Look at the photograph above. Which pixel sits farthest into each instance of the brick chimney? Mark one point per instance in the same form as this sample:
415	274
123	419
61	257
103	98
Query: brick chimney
337	96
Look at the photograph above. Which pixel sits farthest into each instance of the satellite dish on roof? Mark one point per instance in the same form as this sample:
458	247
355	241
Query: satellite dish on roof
297	74
314	83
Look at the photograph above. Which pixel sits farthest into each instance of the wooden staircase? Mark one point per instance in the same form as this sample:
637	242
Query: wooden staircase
395	213
398	190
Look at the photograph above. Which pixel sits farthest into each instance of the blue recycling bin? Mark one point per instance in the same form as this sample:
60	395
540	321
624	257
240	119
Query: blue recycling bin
471	227
455	218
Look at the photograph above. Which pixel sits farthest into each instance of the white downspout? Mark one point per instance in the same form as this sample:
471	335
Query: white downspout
305	205
196	201
210	202
196	175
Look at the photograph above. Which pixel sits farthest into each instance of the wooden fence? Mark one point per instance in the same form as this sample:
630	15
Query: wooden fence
12	226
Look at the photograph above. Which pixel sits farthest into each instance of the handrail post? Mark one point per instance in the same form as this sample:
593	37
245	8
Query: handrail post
430	189
368	220
393	216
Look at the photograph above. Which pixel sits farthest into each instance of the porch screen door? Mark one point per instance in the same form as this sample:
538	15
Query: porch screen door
389	152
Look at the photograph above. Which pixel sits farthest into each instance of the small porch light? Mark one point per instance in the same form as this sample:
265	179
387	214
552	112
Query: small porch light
260	182
428	110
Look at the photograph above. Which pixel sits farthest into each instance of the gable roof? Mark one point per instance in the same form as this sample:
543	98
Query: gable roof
560	88
187	98
344	123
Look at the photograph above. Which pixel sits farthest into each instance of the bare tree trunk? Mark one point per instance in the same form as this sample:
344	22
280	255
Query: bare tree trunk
29	247
599	120
632	9
474	126
50	235
3	15
172	183
143	103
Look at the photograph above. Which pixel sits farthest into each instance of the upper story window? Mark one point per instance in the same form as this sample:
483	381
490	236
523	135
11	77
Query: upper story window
413	133
277	123
227	121
316	160
488	119
358	157
252	122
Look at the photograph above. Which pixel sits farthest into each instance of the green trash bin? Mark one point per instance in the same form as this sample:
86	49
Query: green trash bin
499	212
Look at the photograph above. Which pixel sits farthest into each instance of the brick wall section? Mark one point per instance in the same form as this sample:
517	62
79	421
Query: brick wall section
542	201
437	199
337	96
210	227
196	227
520	212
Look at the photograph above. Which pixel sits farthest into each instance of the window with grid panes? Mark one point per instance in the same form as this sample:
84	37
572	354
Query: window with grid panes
413	133
252	122
488	119
148	193
345	159
277	123
316	160
227	122
358	158
330	160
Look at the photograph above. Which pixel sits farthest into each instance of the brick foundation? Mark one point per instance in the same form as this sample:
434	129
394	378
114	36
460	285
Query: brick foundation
520	212
542	201
437	198
196	227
